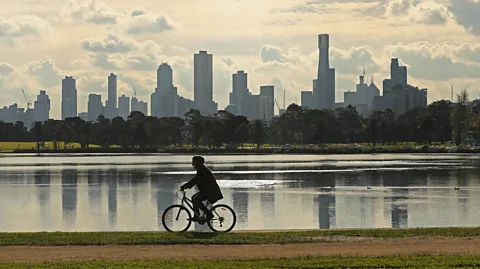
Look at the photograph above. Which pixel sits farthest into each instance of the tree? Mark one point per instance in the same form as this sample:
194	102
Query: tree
441	112
141	135
373	129
193	125
426	127
37	131
242	133
259	133
461	117
88	126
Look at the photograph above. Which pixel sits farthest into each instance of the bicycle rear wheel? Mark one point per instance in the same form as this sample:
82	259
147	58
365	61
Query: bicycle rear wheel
176	218
224	219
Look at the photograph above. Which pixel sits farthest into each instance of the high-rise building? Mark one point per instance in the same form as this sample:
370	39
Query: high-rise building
124	106
398	73
324	86
143	107
203	83
111	106
397	94
267	98
134	104
83	116
307	100
69	98
164	99
94	106
42	107
164	78
240	92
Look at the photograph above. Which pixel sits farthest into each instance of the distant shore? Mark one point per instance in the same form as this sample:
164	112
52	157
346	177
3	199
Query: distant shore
316	150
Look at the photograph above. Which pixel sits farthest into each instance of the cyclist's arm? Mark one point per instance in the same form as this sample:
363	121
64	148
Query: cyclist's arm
192	182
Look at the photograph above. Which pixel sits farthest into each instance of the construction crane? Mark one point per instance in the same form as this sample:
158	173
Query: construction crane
278	106
29	103
134	92
281	110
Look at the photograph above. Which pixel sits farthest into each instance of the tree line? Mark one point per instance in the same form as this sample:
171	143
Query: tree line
441	121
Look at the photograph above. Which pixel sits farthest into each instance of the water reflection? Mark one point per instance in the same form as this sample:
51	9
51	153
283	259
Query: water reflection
134	199
69	198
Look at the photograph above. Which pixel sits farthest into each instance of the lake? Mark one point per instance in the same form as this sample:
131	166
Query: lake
129	192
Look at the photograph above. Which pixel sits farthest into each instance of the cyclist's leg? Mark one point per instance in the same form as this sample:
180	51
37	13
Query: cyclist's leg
198	203
195	207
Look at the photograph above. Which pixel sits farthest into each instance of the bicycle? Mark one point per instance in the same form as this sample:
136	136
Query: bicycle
178	216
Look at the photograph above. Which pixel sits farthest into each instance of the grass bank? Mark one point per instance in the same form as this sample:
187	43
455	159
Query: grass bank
163	238
270	149
441	261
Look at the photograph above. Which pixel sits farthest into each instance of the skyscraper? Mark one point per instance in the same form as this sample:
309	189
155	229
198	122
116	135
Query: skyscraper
240	92
134	104
94	106
42	107
69	98
398	73
307	100
164	78
267	94
203	83
164	99
324	86
123	106
142	107
112	111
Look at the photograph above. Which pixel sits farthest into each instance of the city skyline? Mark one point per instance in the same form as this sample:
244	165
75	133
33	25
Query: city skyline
276	45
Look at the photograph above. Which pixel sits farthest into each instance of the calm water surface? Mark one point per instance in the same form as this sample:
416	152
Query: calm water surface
130	192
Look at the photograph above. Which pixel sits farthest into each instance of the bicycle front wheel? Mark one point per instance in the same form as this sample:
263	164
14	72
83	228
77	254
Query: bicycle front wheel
176	218
223	220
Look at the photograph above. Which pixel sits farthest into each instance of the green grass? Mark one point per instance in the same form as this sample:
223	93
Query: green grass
12	146
163	238
443	261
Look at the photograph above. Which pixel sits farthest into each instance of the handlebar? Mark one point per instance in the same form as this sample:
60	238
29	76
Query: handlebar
183	192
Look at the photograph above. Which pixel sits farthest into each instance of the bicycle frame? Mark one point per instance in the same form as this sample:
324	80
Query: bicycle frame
189	203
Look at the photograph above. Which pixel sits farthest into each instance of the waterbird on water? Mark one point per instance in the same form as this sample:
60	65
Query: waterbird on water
457	188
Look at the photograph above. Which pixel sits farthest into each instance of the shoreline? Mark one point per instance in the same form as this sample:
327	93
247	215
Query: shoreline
314	150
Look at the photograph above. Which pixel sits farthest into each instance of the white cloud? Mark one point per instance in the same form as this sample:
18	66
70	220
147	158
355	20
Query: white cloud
438	62
146	23
137	21
16	28
419	11
5	69
353	60
466	14
270	53
92	11
46	72
114	43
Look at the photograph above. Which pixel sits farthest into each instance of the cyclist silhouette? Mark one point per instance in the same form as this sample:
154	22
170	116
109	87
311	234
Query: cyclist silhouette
207	186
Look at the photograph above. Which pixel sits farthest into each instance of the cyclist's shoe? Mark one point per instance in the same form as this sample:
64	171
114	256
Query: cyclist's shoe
195	219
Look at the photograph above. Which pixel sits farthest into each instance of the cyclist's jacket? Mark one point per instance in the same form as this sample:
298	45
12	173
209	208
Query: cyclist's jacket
206	184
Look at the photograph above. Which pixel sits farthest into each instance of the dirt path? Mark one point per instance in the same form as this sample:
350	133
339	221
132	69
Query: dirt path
372	248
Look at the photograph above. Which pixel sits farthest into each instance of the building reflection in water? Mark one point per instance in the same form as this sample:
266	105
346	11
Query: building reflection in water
399	200
42	181
163	188
112	182
326	200
240	202
69	198
94	181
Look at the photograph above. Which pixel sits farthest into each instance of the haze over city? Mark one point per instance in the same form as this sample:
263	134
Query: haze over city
274	42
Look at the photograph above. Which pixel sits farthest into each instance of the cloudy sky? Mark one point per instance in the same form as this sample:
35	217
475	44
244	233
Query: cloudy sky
41	41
